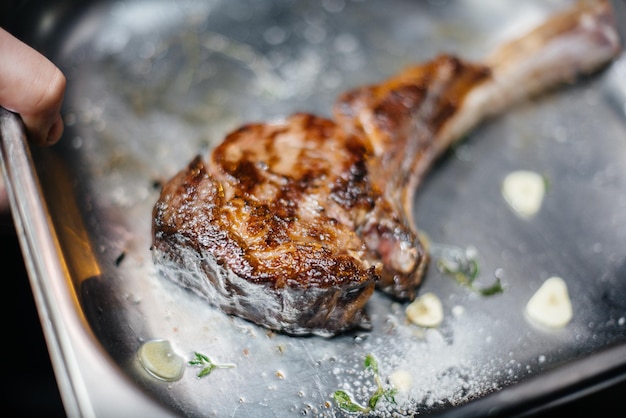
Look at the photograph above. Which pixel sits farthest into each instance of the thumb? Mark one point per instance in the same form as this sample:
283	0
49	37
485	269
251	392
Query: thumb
32	86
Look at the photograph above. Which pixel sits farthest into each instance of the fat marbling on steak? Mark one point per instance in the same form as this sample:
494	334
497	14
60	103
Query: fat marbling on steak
293	224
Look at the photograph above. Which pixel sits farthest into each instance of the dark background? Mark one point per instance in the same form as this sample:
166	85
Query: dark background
30	388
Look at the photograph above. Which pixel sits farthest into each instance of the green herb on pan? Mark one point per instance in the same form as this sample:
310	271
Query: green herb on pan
345	402
463	266
381	392
206	364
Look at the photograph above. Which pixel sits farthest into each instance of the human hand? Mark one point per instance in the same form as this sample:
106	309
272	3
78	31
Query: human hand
33	87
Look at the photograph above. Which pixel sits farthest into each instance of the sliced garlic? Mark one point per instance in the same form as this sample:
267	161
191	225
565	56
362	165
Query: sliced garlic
158	358
524	191
425	311
550	305
401	380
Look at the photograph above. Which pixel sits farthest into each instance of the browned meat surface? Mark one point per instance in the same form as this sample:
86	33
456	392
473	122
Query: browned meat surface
292	225
399	121
267	229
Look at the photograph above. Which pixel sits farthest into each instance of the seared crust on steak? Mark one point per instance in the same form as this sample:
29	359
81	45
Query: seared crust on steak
271	227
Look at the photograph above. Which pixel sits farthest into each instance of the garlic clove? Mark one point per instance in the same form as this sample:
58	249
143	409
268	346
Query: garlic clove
550	305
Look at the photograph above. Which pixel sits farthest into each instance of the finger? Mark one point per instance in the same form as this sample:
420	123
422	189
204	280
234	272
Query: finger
32	86
55	132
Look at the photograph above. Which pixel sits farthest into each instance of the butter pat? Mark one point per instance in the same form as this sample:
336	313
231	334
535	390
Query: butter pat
158	358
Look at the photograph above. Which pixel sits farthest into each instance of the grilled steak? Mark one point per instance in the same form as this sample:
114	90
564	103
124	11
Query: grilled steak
267	229
293	224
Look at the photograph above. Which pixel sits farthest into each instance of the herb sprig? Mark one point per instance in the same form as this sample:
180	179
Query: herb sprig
206	364
345	402
463	266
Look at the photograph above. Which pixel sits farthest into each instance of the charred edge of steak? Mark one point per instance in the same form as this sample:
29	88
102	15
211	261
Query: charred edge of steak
298	311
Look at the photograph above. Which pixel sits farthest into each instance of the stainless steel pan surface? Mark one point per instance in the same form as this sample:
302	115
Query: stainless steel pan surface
153	83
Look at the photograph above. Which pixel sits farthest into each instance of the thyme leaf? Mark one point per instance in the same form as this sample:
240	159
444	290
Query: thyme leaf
371	363
387	394
347	404
493	289
374	399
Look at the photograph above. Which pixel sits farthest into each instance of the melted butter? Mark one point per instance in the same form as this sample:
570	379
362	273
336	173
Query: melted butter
160	360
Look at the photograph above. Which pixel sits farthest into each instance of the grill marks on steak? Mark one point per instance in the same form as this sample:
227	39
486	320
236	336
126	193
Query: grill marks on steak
270	221
401	119
292	224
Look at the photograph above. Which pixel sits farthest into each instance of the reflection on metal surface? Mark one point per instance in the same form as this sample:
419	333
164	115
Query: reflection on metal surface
68	221
42	258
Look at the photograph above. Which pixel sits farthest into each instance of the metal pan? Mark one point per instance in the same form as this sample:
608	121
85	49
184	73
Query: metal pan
151	84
